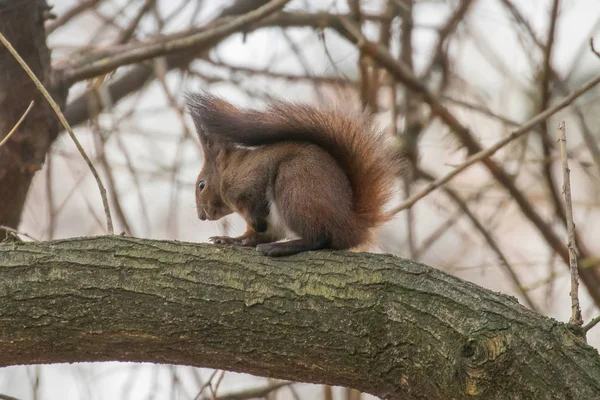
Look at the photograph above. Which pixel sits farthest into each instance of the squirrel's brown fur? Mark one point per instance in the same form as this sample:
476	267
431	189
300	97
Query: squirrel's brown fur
322	175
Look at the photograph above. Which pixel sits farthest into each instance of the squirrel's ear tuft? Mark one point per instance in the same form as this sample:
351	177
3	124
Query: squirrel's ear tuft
207	111
213	117
196	103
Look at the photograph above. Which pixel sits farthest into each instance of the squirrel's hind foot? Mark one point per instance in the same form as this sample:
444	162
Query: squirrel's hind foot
281	249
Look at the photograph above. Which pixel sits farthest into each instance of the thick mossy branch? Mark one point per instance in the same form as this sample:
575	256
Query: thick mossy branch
383	325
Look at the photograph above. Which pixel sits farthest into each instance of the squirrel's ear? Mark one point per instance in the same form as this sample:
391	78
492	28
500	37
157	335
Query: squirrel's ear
204	138
223	153
211	144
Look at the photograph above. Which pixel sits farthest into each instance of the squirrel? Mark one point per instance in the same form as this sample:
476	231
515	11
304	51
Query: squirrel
319	178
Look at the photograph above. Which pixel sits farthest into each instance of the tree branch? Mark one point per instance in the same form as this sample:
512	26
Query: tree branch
383	325
158	47
78	110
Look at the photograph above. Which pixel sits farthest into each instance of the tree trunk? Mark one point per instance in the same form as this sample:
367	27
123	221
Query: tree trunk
380	324
22	23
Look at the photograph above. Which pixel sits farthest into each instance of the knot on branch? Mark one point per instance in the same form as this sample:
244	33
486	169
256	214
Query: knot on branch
484	359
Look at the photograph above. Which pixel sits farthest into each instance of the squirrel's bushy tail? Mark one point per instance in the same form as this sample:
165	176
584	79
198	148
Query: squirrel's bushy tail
350	137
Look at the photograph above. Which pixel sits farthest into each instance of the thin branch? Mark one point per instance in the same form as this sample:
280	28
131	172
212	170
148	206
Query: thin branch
327	80
545	77
413	123
576	318
593	48
110	179
16	232
206	384
367	90
217	385
14	129
591	324
66	125
144	51
526	127
480	109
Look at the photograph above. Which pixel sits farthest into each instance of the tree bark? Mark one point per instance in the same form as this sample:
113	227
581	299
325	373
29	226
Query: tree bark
383	325
22	22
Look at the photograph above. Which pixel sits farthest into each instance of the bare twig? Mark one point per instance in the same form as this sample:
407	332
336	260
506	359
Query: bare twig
591	324
16	232
109	175
413	124
217	385
14	129
545	77
66	125
206	384
367	89
576	318
526	127
480	109
327	80
545	94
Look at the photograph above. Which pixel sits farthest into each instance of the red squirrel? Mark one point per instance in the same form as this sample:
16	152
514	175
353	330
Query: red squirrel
318	177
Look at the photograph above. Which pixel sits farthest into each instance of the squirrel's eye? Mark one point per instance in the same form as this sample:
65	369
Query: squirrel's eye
201	185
